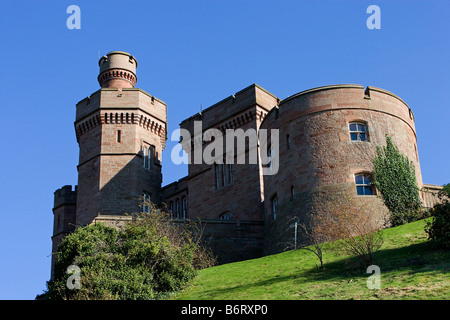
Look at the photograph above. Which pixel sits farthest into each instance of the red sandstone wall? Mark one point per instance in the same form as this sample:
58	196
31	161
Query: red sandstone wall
321	153
112	178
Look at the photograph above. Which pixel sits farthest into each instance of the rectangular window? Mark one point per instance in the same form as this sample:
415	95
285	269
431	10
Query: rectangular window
224	175
149	157
288	142
230	173
146	205
363	185
216	167
184	207
144	156
269	155
274	207
119	134
178	209
358	131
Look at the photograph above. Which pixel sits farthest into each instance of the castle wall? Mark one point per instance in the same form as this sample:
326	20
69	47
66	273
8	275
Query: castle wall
210	189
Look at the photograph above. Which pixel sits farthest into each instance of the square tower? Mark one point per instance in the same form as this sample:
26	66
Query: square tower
121	132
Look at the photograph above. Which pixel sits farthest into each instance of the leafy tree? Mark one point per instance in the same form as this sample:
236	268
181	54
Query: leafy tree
146	259
394	175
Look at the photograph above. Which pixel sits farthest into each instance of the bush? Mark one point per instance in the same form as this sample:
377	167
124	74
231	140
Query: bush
394	175
438	229
146	259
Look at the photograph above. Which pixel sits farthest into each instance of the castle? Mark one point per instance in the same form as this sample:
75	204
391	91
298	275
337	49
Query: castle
327	137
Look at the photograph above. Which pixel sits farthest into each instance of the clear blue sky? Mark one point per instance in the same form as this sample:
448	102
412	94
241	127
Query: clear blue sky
192	53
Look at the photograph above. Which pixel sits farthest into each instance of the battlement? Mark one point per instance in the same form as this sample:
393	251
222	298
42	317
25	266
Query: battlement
65	195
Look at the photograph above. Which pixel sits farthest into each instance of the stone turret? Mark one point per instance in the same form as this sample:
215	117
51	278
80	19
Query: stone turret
64	212
117	70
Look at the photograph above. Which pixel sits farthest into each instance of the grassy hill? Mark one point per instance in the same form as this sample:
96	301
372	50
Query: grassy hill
411	268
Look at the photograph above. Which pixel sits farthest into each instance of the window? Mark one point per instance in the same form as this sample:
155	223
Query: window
147	156
224	175
216	167
184	207
230	173
144	155
172	209
274	207
292	192
119	136
288	142
226	216
269	155
146	203
358	131
178	209
363	185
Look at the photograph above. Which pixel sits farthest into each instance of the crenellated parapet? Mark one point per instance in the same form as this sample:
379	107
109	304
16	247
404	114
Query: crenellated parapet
65	196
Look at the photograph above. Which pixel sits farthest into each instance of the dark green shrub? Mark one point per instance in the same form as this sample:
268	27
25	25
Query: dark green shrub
146	259
438	229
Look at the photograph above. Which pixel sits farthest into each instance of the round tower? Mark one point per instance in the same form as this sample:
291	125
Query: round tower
328	138
117	70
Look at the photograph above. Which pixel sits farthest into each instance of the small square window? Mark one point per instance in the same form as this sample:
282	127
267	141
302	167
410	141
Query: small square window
358	131
363	185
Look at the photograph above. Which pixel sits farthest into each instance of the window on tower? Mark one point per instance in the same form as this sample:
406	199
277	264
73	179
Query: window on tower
147	155
364	185
144	156
358	131
149	158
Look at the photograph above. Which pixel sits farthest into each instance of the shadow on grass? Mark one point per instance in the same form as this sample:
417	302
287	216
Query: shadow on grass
421	257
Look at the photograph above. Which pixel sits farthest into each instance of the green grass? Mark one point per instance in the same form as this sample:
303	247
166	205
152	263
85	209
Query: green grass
411	268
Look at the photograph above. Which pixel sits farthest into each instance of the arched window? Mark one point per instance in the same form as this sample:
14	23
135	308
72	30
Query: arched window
226	216
358	131
364	185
